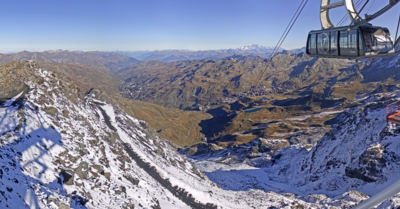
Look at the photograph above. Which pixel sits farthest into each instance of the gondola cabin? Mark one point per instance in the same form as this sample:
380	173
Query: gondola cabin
350	43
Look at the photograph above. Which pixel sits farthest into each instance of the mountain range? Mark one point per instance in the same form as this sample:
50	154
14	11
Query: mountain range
103	130
64	149
179	55
188	84
105	60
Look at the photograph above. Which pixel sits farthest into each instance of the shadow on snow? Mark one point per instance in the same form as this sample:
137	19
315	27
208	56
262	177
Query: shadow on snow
25	176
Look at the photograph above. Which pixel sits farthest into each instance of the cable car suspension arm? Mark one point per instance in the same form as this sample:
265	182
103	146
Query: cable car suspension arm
351	12
368	18
359	12
334	5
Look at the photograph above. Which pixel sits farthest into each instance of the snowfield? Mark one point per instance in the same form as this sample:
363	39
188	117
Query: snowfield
62	150
358	157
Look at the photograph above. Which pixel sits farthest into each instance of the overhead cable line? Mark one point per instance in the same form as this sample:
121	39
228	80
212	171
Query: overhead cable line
370	6
358	13
346	17
282	39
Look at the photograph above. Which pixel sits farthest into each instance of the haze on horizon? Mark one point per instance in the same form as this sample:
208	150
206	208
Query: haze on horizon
158	25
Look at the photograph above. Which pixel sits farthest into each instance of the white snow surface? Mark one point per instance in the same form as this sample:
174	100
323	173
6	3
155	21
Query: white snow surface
60	150
358	157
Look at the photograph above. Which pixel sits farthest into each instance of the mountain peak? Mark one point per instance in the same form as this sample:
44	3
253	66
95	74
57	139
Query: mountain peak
252	46
56	51
257	48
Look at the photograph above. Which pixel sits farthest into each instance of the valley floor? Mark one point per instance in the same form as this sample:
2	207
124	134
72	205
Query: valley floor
358	157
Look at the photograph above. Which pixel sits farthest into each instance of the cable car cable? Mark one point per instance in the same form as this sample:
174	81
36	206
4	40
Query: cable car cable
276	47
370	6
290	25
358	13
281	42
346	17
358	4
362	8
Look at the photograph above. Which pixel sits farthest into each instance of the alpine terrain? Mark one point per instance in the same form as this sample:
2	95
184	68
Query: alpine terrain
61	148
69	138
168	104
180	55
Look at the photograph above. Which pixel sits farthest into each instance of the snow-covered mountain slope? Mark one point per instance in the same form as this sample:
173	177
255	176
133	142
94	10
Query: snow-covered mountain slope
358	157
59	153
63	149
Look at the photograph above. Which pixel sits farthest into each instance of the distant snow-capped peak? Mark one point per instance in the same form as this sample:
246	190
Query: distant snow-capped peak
252	46
257	48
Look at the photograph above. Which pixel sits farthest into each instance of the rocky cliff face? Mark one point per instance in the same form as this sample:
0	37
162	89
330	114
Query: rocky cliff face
357	157
63	148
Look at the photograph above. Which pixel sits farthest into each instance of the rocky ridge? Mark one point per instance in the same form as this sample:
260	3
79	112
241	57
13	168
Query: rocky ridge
105	60
94	70
356	158
180	55
62	148
194	84
293	86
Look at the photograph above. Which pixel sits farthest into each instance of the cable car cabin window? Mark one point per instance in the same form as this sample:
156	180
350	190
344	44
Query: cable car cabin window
348	43
352	39
360	46
319	44
334	42
343	40
377	40
343	47
313	44
323	43
389	41
352	43
367	39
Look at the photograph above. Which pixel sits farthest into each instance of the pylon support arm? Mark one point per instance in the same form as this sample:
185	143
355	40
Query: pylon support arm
368	18
334	5
351	12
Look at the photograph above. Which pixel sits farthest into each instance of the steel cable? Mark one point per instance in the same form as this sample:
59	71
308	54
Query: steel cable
358	13
282	39
370	6
346	17
276	47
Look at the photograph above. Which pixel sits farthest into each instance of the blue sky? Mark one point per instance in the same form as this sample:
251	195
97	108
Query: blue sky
38	25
